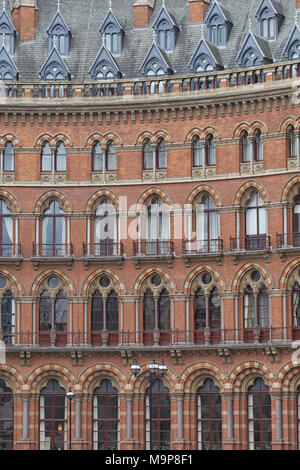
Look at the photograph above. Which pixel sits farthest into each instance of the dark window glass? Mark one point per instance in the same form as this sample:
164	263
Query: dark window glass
105	417
259	416
9	157
6	417
209	417
46	157
149	311
8	318
53	417
161	417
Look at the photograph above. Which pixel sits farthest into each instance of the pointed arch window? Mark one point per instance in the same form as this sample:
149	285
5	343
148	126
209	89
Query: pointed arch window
204	64
250	58
207	309
217	31
256	307
46	157
97	157
259	416
268	24
6	417
8	318
147	155
106	421
210	150
157	227
165	36
111	156
296	221
245	147
105	318
291	142
105	230
6	230
207	225
161	154
256	223
197	151
209	416
53	318
9	157
160	414
53	417
296	304
60	157
156	317
258	146
54	231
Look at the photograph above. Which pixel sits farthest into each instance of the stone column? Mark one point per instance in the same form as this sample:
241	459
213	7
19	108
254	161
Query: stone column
228	442
277	443
156	332
25	422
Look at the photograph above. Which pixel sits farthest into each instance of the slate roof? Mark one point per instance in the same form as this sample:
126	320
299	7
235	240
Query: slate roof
84	19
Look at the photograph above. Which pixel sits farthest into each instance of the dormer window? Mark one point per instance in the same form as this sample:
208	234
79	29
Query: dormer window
165	31
219	23
7	33
59	35
270	16
112	33
268	24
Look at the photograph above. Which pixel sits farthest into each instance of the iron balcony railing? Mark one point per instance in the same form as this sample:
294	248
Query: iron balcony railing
103	249
251	243
52	250
10	250
146	338
202	247
288	240
153	248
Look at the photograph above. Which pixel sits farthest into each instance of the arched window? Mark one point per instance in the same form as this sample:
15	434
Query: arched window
291	142
245	147
111	157
158	413
256	223
149	311
210	150
54	231
60	157
8	318
207	309
203	63
296	304
250	58
217	31
97	157
296	221
6	230
197	151
259	416
268	24
6	417
156	312
112	39
147	155
161	155
165	36
105	316
46	157
258	146
209	417
157	227
256	307
53	316
106	424
207	225
105	230
9	157
53	417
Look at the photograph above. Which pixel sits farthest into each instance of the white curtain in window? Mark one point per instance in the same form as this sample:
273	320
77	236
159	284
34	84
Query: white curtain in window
201	230
43	444
7	230
199	417
250	422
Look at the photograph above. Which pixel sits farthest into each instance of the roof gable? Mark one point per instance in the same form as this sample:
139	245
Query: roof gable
209	50
155	53
7	66
110	19
294	36
217	9
104	59
164	15
5	20
58	21
259	45
272	5
55	65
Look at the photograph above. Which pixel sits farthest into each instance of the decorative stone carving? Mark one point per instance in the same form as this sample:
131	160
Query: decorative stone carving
97	178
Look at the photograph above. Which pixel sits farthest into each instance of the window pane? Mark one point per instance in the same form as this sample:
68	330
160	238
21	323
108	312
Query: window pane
46	158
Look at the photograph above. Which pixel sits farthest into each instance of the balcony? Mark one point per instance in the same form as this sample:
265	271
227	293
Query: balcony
10	254
202	249
158	251
257	245
104	252
287	244
52	253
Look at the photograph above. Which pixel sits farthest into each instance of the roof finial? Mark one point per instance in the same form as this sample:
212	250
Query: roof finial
58	5
4	4
54	41
250	25
202	31
110	4
296	17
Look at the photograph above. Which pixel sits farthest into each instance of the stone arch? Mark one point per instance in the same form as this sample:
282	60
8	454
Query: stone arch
290	120
196	131
259	125
288	375
191	375
53	140
287	273
35	287
12	202
116	280
243	193
205	188
211	130
242	126
150	271
250	265
143	136
13	284
93	138
43	373
9	137
12	378
139	384
100	194
100	371
53	194
159	192
240	376
190	278
291	189
162	134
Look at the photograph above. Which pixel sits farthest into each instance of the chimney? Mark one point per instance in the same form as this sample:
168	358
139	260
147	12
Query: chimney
142	10
25	16
198	9
298	4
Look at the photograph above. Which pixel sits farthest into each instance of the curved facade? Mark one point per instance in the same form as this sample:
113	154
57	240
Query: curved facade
149	208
